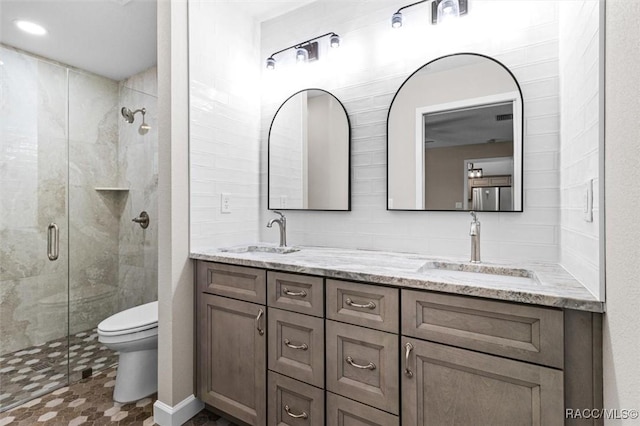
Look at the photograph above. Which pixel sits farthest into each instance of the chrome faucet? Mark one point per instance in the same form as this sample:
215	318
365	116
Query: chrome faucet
282	221
474	232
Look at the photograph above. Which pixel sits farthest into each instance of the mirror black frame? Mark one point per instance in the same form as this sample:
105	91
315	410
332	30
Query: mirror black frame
348	160
521	136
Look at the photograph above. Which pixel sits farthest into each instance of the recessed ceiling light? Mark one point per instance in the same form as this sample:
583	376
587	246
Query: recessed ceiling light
30	27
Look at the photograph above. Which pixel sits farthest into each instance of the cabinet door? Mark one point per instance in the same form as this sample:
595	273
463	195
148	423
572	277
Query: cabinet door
232	357
443	385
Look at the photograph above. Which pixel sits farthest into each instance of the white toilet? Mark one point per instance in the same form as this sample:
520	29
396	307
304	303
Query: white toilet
133	333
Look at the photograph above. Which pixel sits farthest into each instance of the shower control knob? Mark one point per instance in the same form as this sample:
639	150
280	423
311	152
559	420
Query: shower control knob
142	220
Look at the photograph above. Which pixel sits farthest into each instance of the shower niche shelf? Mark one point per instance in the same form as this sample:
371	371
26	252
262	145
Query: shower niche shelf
111	188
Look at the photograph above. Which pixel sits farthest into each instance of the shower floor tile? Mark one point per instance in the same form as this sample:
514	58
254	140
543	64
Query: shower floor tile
37	370
88	402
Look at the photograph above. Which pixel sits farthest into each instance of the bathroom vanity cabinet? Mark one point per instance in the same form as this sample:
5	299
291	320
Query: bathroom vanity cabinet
341	352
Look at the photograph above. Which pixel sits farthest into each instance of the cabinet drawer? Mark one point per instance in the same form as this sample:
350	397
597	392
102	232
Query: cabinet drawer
361	304
298	293
346	412
294	403
239	282
525	332
363	364
296	346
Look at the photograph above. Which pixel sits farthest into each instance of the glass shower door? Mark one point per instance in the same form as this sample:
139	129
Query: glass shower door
34	222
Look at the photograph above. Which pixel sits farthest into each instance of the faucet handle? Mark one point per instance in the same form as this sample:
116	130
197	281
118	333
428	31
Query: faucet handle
473	215
279	213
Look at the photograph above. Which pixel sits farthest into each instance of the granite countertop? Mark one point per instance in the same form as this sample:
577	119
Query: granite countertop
536	283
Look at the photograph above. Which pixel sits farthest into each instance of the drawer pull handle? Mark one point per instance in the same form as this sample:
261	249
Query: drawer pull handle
302	415
408	347
288	292
369	305
303	346
370	366
258	325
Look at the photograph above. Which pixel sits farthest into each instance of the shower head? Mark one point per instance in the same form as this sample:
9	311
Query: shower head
127	114
129	117
144	128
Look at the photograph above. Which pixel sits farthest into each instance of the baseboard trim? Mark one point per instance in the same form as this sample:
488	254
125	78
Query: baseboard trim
165	415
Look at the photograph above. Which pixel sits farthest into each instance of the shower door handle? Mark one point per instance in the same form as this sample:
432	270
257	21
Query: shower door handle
53	241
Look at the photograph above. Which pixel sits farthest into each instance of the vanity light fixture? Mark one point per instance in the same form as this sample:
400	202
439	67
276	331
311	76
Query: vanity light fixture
473	172
307	50
441	10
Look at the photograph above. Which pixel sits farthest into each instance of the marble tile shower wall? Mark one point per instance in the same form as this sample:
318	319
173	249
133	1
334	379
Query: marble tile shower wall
365	73
33	177
580	137
138	171
224	66
39	141
93	215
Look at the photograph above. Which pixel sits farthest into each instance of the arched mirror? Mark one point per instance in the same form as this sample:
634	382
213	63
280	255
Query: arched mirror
309	153
454	138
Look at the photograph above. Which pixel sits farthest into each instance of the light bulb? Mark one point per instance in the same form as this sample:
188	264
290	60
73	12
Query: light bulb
271	63
396	20
334	40
302	55
448	9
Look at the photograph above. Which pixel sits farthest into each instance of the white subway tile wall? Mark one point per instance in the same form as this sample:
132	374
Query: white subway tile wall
224	45
367	70
234	99
579	149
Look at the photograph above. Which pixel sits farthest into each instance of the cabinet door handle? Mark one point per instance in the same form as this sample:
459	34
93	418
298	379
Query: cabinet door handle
302	415
288	292
303	346
407	347
369	305
370	366
258	326
53	242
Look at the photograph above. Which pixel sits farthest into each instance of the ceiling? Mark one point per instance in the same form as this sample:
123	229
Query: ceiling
112	38
469	126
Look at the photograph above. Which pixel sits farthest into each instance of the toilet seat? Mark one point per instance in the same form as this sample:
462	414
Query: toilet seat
141	319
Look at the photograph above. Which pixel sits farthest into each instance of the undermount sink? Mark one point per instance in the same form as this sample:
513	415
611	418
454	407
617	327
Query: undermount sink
259	249
477	271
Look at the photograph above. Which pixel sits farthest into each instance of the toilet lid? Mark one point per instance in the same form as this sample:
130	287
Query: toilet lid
138	318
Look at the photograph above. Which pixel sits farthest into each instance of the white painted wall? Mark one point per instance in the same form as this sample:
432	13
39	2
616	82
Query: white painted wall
224	68
175	269
579	138
365	72
621	336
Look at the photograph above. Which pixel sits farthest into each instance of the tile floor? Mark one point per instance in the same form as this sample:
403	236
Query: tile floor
88	402
37	370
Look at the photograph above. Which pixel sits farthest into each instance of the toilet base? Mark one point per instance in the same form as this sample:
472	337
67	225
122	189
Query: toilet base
137	375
